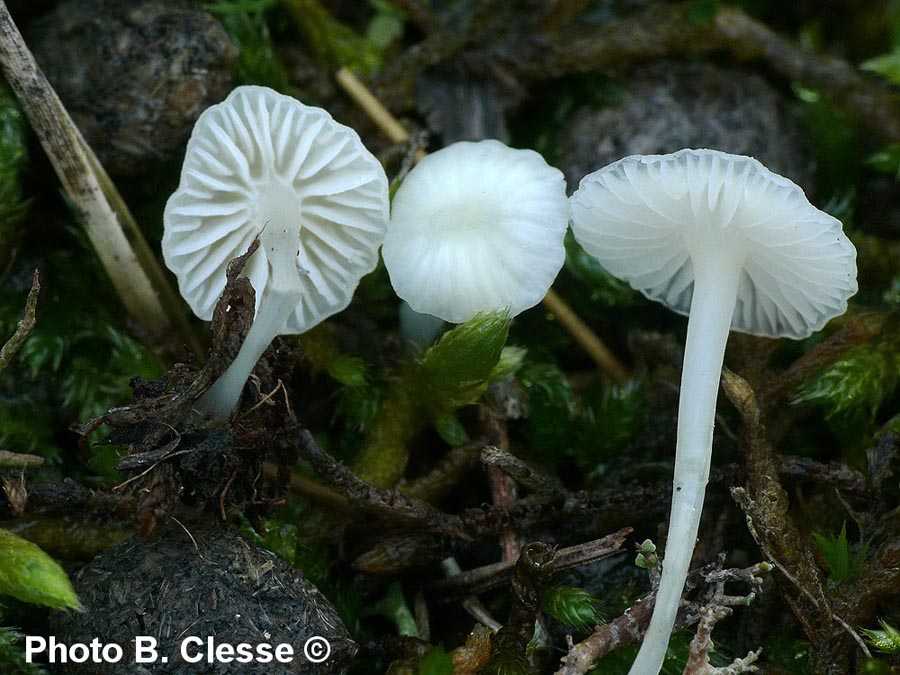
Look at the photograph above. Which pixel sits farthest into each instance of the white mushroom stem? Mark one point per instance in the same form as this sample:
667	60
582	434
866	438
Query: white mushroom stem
716	278
281	298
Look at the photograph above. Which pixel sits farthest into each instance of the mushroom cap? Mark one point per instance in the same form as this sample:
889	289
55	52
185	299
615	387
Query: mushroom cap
648	218
260	157
476	227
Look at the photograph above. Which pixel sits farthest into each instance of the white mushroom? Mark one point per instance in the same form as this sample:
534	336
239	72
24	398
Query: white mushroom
476	227
735	246
264	165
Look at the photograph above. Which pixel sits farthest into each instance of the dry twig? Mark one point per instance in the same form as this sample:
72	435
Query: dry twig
487	577
629	627
23	328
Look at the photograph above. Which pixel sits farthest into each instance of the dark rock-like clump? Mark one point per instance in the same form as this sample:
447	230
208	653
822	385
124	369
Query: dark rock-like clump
134	75
668	105
209	583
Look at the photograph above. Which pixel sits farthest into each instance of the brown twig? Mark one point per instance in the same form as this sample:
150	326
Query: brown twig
533	572
390	505
765	504
470	602
440	481
503	488
15	460
518	470
664	30
389	125
629	627
485	578
23	328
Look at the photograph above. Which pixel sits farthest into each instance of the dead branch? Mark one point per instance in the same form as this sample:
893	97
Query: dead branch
484	578
629	627
390	505
23	328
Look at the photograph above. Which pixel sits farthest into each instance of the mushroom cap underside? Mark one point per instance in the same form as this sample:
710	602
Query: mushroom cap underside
477	227
650	219
261	159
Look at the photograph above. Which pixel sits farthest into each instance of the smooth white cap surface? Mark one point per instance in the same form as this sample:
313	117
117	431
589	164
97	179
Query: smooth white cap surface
648	218
477	227
260	157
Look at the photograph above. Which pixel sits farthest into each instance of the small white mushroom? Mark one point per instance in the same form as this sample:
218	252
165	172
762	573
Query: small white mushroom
476	227
264	165
735	246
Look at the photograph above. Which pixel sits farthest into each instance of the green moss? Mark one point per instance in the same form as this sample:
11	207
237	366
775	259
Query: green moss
843	565
257	62
12	655
551	408
857	383
611	416
76	363
571	606
451	374
13	159
886	640
335	43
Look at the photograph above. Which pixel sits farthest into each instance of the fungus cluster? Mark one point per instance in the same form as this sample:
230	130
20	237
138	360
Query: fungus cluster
477	227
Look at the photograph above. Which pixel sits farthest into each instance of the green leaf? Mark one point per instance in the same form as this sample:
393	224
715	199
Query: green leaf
571	606
358	405
887	160
886	65
97	376
350	371
835	140
456	371
30	575
511	360
842	565
394	608
386	26
450	429
436	662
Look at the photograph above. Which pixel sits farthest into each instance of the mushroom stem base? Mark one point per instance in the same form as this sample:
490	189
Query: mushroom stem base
220	399
712	308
